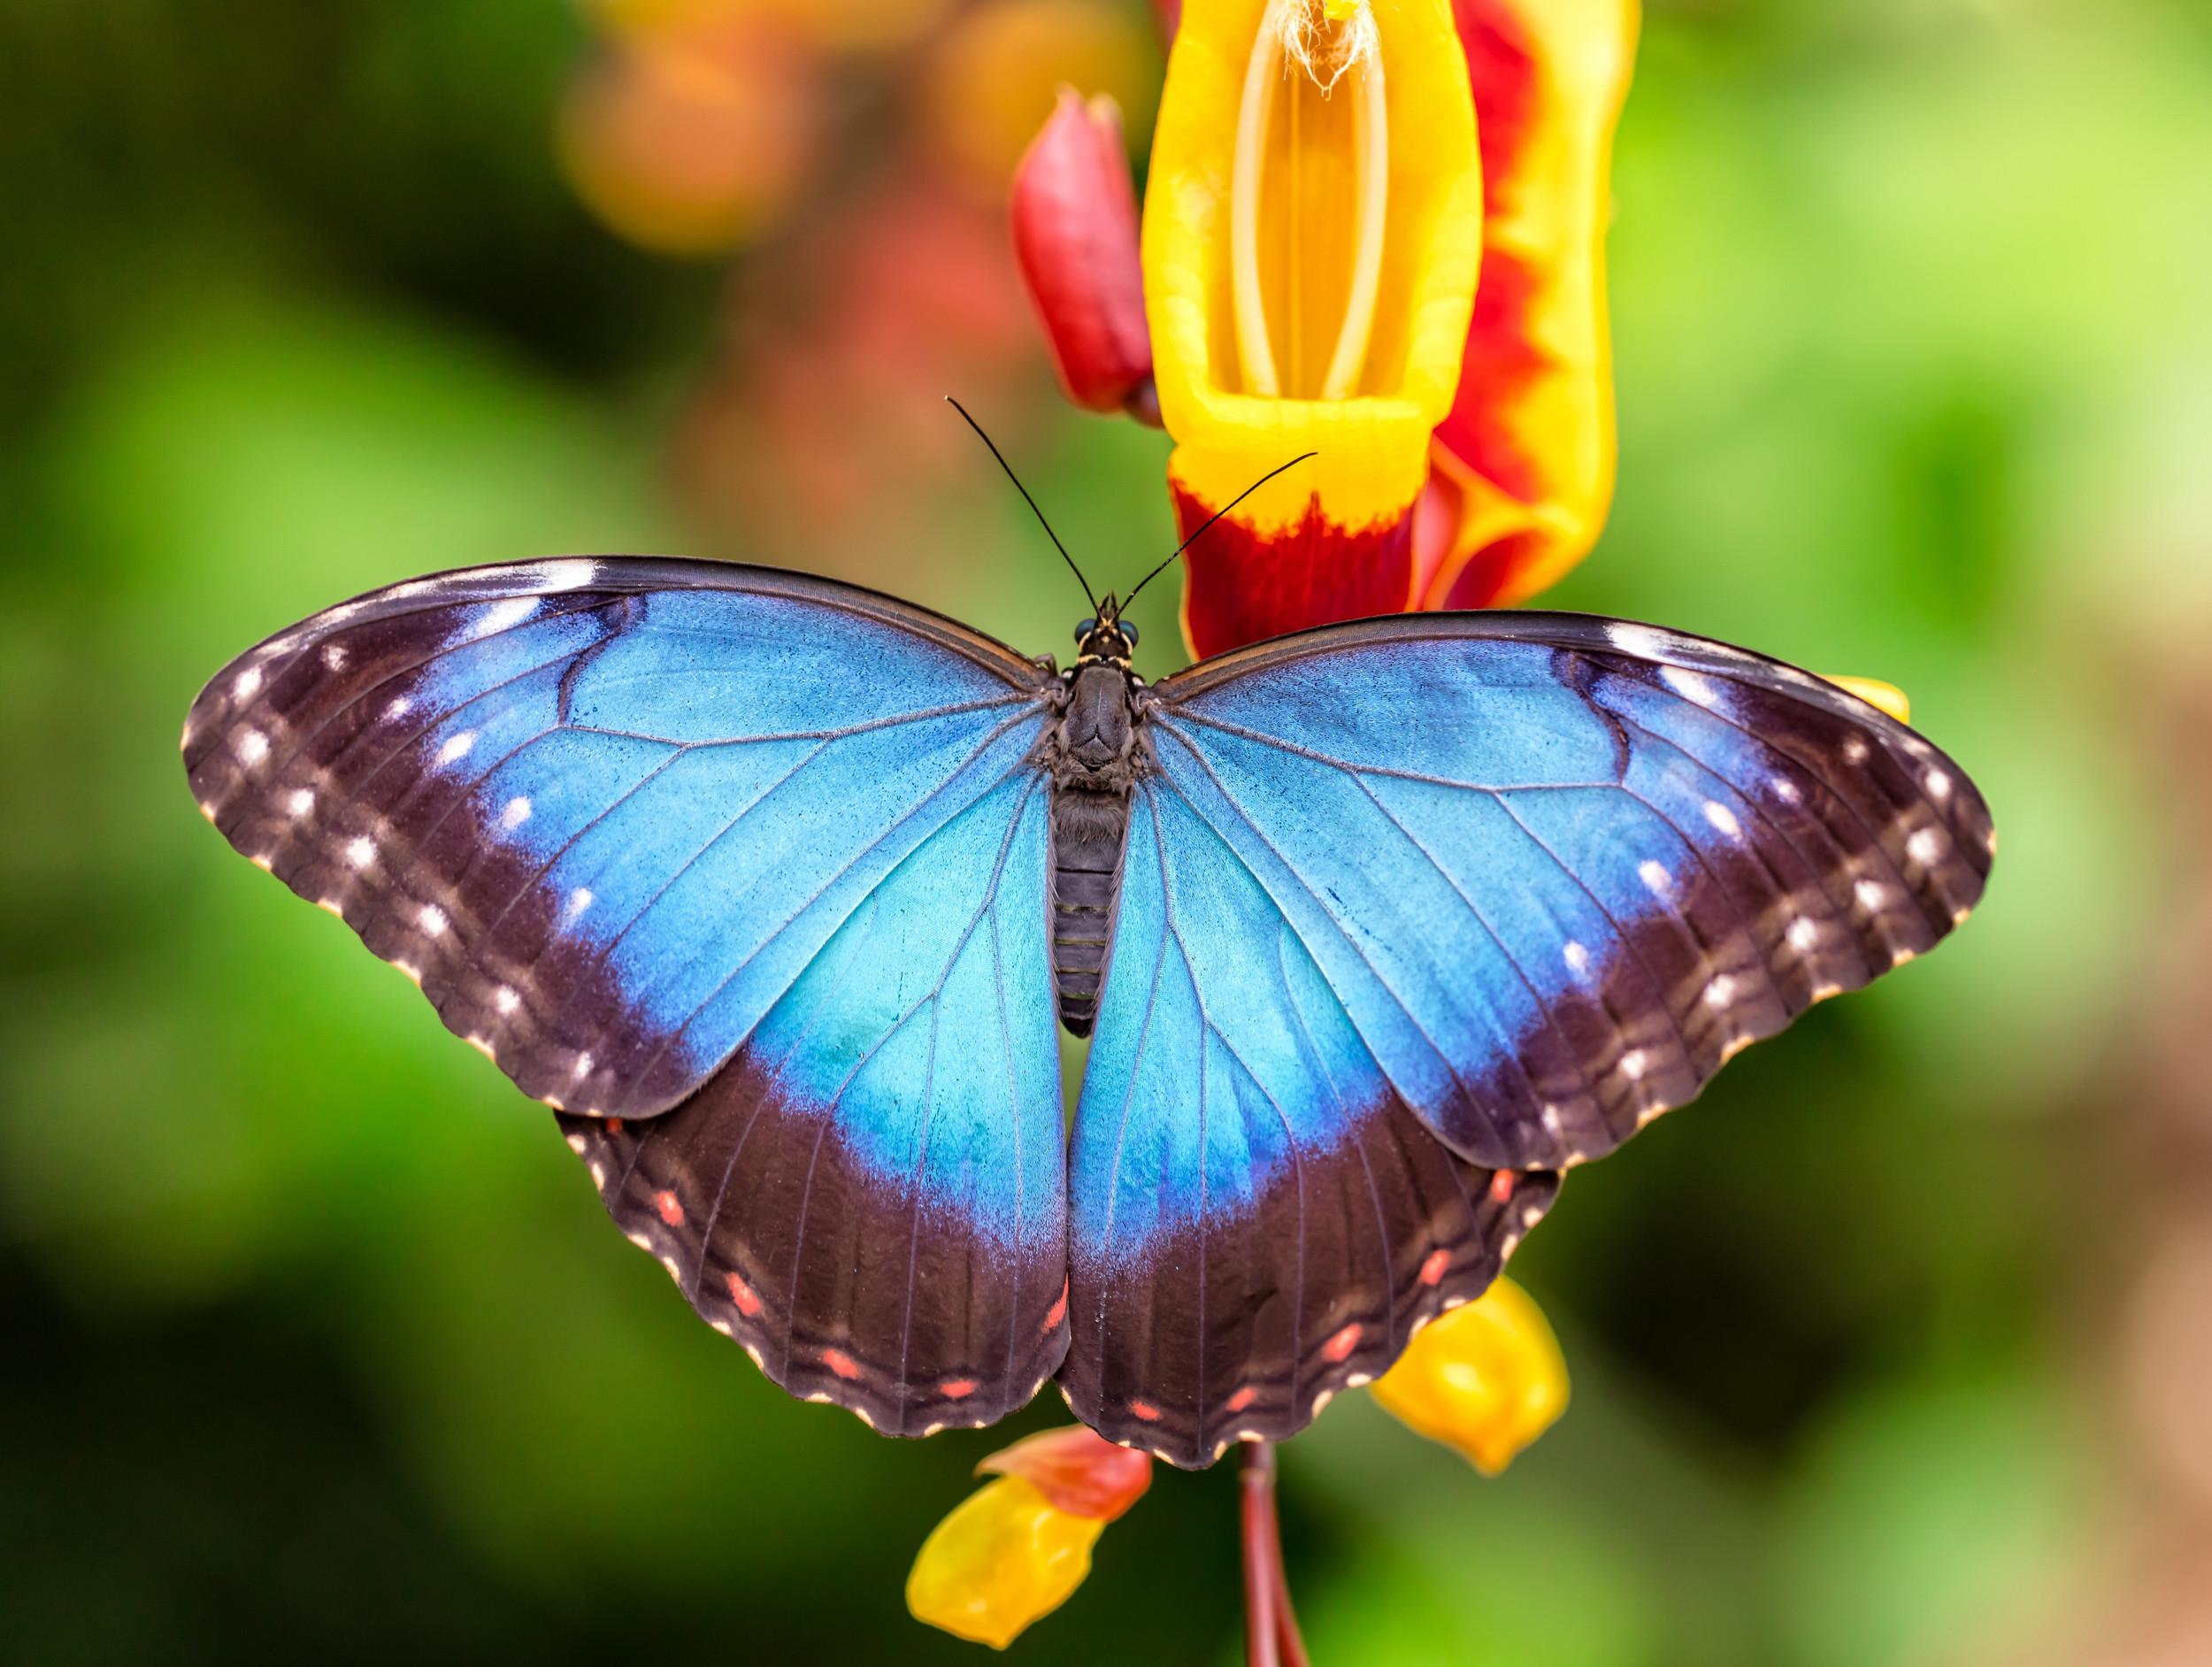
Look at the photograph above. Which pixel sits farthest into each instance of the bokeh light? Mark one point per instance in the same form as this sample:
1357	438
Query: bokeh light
693	134
991	81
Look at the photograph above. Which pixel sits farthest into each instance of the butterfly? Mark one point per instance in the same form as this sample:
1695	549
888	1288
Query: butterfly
773	887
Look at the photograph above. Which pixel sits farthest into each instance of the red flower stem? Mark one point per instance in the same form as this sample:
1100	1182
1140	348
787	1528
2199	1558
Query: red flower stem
1262	1561
1271	1629
1287	1636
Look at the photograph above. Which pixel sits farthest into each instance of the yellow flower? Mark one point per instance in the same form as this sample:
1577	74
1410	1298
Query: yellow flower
1486	1378
1886	697
1523	465
1016	1549
1005	1557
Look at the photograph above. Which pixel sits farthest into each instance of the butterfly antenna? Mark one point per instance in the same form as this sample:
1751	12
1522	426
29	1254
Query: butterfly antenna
1210	519
1091	594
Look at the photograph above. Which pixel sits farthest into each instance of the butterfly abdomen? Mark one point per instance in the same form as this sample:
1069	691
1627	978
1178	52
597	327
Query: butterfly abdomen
1087	833
1093	753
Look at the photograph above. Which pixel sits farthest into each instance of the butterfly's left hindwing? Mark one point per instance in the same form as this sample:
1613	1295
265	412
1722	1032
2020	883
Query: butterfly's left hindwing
745	872
1257	1219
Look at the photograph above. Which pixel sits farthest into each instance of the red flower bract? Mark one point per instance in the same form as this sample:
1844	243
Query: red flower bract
1075	231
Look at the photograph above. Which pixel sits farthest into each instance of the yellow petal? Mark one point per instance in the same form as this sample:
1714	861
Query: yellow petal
1313	230
1874	692
1524	461
1486	1380
1005	1557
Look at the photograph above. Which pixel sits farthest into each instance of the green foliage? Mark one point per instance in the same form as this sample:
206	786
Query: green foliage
317	1340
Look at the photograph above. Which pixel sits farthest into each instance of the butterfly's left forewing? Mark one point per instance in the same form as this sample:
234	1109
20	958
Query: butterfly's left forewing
744	872
1522	883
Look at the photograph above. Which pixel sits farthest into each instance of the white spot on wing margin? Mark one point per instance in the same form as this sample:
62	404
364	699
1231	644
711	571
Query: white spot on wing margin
1639	640
572	573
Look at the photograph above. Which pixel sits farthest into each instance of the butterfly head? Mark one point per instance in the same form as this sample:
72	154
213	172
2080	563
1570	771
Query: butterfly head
1107	636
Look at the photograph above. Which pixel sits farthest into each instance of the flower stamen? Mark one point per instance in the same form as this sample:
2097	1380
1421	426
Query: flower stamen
1324	38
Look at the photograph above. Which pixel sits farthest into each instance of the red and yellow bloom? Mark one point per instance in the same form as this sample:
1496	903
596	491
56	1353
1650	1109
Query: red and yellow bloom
1016	1549
1374	231
1311	240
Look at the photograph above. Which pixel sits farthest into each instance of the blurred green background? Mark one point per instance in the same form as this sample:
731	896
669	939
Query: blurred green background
1896	1350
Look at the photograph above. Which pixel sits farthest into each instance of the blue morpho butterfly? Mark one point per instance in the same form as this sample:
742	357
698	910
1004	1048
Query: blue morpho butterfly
772	887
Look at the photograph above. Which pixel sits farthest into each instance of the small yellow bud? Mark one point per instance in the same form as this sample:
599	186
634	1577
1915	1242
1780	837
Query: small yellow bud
1874	692
1486	1380
1004	1557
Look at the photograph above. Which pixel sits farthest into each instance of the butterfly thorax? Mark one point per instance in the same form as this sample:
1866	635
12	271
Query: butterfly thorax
1096	753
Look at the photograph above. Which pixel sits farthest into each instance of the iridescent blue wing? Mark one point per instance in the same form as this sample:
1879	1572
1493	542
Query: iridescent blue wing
1257	1217
869	1195
1506	885
745	871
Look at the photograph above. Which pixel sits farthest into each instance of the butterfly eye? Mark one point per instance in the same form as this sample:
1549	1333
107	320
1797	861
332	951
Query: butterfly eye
1127	631
1084	629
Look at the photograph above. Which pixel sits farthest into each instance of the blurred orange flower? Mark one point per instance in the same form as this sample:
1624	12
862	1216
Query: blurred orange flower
699	123
847	25
695	128
991	78
869	143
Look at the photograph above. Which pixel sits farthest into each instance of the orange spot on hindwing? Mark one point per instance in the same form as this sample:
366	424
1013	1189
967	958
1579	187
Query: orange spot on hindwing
1339	1347
1432	1270
841	1362
671	1211
1501	1186
746	1299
